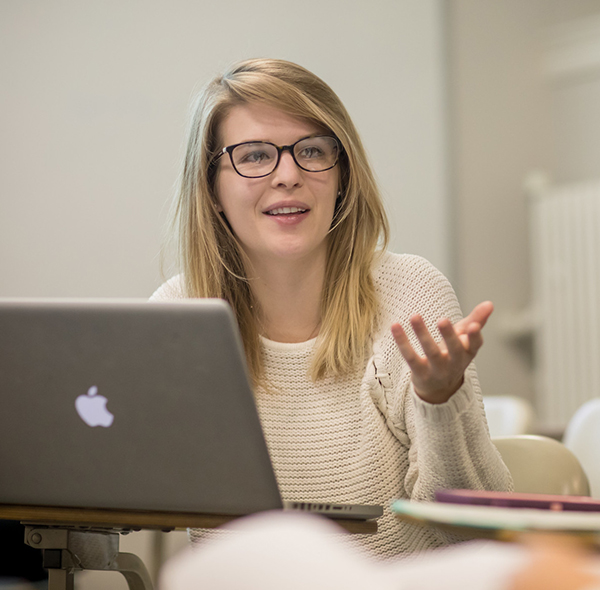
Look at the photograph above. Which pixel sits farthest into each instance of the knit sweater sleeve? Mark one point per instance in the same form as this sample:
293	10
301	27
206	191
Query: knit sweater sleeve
173	289
448	444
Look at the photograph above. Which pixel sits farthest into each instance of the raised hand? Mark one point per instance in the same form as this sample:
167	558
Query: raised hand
440	373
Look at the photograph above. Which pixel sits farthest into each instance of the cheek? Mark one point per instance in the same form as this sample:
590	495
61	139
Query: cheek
234	200
226	189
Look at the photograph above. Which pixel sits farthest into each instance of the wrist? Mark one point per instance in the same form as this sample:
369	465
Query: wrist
439	396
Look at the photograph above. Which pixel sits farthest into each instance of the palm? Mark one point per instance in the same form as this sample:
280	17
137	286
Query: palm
440	372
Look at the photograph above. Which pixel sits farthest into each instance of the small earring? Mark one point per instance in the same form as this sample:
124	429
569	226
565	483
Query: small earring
339	194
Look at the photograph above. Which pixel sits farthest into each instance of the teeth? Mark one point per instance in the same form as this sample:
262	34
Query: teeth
285	210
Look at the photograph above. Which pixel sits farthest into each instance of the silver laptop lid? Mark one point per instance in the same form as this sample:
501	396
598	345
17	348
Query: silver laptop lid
129	405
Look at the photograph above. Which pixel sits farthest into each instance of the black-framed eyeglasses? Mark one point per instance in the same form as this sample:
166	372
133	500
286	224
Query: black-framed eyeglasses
255	159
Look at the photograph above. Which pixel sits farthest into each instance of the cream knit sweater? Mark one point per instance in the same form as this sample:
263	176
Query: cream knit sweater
367	437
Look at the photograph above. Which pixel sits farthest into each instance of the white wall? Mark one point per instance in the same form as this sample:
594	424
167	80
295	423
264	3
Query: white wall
499	133
515	107
93	104
572	68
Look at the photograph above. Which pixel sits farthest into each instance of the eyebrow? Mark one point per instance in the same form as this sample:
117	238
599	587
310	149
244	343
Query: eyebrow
316	134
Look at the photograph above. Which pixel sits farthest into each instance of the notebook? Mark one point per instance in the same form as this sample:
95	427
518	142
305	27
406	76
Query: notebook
553	502
133	405
497	522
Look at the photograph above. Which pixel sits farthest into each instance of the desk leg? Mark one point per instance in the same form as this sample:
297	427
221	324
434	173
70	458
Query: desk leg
60	579
134	570
66	551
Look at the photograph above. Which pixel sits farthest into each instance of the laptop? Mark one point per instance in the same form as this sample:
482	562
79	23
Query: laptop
134	405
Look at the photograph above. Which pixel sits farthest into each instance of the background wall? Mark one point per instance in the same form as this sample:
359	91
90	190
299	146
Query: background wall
499	133
94	100
572	76
520	99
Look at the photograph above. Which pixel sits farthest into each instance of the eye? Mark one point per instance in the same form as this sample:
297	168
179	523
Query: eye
255	157
253	154
310	152
317	151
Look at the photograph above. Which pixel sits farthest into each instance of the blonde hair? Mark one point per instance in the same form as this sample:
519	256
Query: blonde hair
211	258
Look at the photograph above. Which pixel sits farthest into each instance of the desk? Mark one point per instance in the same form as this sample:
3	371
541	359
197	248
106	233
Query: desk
500	523
73	539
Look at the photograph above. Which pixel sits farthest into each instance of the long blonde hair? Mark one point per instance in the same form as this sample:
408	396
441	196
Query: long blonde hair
210	256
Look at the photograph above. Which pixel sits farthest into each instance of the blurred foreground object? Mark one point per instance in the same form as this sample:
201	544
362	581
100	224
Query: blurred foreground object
302	552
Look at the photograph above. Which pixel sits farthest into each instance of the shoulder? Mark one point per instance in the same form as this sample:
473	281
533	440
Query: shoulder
407	272
172	289
391	265
407	284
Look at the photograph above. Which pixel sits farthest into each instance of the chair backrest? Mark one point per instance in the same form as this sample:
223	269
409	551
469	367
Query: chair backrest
582	437
507	415
542	465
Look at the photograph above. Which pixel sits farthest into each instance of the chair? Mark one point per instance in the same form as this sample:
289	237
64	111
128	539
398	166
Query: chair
542	465
582	437
507	415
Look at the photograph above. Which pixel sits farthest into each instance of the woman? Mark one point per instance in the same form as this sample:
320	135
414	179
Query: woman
278	213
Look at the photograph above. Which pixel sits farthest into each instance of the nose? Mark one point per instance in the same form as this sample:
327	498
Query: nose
287	173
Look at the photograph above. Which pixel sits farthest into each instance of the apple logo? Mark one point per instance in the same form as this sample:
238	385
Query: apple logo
92	408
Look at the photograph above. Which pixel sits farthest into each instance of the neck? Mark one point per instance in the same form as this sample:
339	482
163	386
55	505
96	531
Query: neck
289	295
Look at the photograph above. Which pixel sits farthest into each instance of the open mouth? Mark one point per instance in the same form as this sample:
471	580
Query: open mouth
286	211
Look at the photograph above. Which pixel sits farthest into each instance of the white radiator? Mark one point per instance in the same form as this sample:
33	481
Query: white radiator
566	299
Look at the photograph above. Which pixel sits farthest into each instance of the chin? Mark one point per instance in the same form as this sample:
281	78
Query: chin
295	253
293	249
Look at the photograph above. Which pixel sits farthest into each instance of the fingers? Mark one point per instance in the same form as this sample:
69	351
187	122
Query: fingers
471	338
454	347
480	313
435	352
413	360
454	344
475	338
429	345
439	373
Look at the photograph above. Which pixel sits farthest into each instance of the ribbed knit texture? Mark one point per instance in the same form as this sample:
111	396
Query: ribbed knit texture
367	437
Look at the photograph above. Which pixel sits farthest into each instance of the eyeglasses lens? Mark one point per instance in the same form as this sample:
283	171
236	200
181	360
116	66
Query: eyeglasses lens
316	153
313	154
254	159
